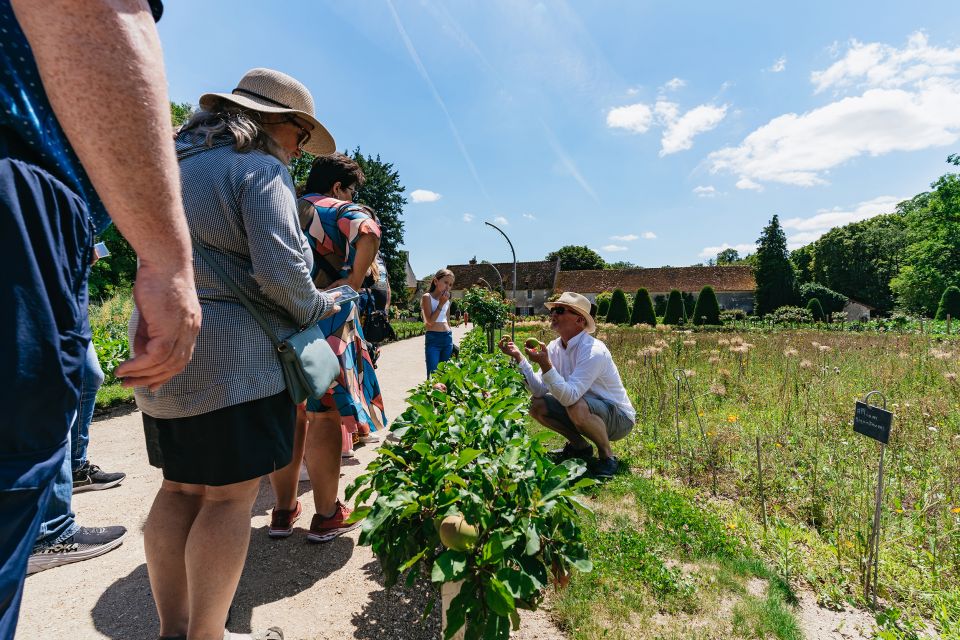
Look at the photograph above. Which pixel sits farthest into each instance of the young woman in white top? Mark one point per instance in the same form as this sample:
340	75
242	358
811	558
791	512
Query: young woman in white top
435	307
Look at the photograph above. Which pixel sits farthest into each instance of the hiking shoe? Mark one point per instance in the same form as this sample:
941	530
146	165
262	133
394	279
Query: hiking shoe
282	521
369	438
569	452
605	468
326	529
90	477
86	543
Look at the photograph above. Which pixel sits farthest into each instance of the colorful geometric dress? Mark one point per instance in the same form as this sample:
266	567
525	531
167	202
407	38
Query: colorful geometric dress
333	228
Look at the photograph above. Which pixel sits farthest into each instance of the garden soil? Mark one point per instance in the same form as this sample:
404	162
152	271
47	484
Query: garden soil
328	591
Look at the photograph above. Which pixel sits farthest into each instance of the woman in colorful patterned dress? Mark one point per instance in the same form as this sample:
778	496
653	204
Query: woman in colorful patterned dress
344	237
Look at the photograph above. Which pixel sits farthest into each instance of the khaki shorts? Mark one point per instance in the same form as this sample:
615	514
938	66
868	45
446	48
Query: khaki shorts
617	423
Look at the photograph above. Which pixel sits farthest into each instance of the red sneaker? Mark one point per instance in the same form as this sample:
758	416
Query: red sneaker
282	521
326	529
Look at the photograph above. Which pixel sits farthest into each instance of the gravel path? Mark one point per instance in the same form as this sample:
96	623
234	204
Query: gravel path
330	591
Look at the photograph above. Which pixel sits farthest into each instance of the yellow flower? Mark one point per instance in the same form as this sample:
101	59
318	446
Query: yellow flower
731	418
731	525
700	413
848	544
779	446
709	433
955	510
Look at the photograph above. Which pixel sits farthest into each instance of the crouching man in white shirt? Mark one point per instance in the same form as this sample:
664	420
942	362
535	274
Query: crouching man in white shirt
578	392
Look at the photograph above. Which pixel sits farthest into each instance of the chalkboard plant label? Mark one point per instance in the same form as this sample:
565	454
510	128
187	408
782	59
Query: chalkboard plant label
873	422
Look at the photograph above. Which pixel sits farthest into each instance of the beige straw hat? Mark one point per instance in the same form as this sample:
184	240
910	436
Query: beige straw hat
269	91
577	303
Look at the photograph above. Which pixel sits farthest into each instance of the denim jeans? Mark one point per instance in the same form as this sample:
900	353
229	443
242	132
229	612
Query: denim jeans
438	347
80	431
59	522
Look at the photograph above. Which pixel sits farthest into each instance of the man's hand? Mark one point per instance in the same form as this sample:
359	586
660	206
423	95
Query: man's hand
167	332
541	357
508	347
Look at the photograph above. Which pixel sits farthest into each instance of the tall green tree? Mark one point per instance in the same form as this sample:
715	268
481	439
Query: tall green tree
619	312
931	259
621	264
773	271
707	309
180	112
577	258
675	312
728	256
643	309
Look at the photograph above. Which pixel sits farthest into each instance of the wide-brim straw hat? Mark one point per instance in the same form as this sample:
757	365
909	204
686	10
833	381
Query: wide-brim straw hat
577	303
269	91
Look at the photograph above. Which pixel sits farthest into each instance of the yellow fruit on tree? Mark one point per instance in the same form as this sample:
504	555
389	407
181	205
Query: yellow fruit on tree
456	534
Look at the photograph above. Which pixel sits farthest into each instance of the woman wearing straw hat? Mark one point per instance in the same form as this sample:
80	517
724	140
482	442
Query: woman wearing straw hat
227	420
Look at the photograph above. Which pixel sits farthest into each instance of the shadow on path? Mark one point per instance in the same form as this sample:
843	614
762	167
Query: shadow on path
395	613
126	610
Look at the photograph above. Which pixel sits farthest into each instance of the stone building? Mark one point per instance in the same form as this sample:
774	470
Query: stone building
535	281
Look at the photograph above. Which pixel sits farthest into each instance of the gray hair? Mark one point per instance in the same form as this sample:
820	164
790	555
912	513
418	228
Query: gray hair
243	125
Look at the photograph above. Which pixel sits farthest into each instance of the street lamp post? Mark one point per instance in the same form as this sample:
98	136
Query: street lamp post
495	270
513	321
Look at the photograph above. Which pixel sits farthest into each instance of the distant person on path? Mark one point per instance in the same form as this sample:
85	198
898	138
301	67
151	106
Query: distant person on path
578	392
228	420
344	238
435	308
61	171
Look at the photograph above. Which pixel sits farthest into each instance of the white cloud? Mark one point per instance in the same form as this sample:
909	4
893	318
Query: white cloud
679	133
501	221
742	249
468	217
529	216
911	101
649	235
422	195
779	65
632	91
705	192
747	183
610	248
675	84
809	229
630	237
635	117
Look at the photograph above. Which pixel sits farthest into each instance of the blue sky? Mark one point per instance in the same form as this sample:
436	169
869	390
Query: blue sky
652	132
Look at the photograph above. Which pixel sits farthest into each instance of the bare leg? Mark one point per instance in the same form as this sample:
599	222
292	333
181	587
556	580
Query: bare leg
322	453
285	480
590	426
164	538
538	411
215	552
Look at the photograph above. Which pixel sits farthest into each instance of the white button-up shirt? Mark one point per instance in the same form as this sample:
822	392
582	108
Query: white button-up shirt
583	367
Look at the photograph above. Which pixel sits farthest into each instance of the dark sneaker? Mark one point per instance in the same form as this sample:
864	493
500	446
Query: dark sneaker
605	468
569	451
326	529
282	521
84	544
90	477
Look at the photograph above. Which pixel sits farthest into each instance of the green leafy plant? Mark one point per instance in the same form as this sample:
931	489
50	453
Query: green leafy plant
643	309
463	450
816	310
619	312
707	310
675	312
949	304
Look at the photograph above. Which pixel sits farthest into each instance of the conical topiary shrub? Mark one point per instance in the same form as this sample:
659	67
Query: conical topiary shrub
619	312
816	310
643	309
603	307
675	313
707	309
949	304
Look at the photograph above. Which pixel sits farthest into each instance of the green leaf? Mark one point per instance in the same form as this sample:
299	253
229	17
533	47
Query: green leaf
412	561
498	598
449	566
520	584
422	448
467	456
358	514
533	540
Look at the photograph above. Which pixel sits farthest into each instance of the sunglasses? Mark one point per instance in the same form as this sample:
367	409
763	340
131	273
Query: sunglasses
559	311
304	135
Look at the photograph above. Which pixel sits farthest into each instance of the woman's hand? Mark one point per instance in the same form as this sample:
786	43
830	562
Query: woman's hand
336	308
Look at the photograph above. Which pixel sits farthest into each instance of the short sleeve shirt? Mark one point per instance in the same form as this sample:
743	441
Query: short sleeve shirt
29	129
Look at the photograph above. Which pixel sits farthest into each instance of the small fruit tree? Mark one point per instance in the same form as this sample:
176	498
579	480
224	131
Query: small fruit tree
464	451
487	309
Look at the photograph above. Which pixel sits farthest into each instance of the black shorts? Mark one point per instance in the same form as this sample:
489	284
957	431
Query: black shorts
226	446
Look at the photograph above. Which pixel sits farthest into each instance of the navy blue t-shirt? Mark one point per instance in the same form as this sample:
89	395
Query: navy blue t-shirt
28	127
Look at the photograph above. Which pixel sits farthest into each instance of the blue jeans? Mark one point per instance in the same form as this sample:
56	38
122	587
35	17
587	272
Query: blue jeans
46	239
438	347
80	431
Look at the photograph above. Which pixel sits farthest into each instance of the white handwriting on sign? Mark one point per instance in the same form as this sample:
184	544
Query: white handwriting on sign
873	422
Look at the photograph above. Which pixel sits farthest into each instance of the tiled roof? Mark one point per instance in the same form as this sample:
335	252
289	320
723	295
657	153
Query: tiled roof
661	280
530	275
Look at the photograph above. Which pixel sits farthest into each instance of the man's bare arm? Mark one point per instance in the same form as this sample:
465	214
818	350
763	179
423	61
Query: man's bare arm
102	69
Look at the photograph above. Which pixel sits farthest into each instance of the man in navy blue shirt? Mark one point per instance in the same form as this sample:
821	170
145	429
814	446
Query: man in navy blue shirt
84	132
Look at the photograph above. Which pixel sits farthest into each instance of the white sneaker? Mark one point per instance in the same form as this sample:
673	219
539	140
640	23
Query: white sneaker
348	454
370	438
304	475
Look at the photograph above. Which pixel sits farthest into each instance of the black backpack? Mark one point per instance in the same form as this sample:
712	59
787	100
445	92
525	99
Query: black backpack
376	326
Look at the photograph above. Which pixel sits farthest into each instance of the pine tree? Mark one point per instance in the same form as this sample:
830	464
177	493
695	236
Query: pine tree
675	313
949	304
707	310
603	307
619	312
773	270
816	310
643	309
